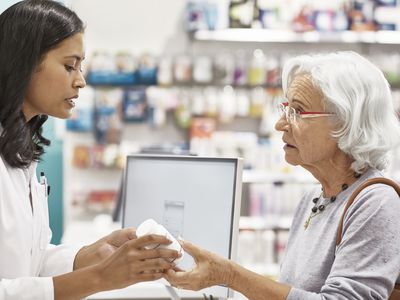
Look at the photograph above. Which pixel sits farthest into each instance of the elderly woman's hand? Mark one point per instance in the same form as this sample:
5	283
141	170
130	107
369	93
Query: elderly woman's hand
210	269
103	248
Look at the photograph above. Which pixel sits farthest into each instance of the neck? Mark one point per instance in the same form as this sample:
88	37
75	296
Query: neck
333	174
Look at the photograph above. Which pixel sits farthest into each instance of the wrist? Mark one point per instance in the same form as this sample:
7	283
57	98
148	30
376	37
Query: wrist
78	284
228	275
96	277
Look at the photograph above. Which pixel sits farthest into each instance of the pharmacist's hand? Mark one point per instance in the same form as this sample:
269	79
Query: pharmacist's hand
132	262
103	248
210	269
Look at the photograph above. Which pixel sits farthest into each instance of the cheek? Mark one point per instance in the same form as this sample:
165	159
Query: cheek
54	82
39	97
46	90
315	146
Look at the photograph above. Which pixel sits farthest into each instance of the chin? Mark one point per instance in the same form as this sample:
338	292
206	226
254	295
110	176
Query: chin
292	160
62	115
66	116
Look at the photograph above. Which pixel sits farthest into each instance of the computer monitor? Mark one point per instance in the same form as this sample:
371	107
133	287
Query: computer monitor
197	198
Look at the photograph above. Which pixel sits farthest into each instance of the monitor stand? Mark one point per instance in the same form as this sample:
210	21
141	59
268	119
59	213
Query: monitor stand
174	295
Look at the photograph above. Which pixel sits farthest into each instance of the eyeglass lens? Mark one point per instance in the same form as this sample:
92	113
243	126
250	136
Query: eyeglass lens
288	112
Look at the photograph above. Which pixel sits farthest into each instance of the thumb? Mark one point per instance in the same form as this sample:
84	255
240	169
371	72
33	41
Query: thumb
120	237
171	272
191	249
130	233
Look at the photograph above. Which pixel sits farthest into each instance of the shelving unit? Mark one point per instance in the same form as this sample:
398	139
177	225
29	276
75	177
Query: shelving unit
287	36
264	176
261	223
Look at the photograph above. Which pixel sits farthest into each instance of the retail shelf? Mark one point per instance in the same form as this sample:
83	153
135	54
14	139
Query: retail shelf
269	270
264	176
265	223
98	169
287	36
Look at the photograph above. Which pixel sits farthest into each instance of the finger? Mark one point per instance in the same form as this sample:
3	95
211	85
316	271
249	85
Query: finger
154	264
171	277
119	237
177	269
157	253
130	233
151	239
188	247
149	276
181	283
193	250
178	277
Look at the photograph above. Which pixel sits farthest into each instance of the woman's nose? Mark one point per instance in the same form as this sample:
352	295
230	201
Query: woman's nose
281	124
79	81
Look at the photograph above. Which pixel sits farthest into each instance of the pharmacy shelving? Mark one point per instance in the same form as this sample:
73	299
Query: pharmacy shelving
287	36
265	176
262	223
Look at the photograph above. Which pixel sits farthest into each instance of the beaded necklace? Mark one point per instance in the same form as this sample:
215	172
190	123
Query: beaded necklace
320	207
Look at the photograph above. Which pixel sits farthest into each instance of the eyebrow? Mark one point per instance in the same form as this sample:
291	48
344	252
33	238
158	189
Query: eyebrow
305	104
75	56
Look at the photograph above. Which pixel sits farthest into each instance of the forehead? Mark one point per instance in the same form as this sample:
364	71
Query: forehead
72	46
303	90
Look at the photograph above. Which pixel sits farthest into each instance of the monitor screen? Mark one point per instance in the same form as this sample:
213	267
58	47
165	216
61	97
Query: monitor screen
197	198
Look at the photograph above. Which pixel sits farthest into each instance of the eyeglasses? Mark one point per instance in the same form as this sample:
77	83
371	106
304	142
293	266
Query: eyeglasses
292	116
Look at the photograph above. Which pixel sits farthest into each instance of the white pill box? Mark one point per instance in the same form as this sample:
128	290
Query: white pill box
152	227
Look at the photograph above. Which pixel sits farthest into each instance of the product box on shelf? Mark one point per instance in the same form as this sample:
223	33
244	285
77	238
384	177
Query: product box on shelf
134	106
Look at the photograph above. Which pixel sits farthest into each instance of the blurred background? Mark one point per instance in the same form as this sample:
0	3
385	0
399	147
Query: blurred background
200	77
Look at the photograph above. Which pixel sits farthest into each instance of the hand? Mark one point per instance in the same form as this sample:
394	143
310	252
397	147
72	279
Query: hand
132	262
103	248
210	269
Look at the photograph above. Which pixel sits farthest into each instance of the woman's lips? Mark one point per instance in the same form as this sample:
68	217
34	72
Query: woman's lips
288	146
71	102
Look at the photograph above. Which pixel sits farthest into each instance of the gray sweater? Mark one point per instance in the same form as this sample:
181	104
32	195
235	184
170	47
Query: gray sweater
367	262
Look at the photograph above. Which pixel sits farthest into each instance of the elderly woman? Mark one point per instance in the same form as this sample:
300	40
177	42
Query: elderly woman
338	123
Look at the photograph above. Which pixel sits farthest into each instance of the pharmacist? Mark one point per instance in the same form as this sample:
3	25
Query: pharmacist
41	51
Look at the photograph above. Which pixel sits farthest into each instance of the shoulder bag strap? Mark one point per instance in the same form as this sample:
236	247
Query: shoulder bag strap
369	182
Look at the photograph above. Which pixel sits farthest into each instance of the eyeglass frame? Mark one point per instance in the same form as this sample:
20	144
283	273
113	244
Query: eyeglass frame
284	110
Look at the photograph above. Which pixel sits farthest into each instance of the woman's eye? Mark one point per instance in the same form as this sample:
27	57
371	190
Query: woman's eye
296	110
69	68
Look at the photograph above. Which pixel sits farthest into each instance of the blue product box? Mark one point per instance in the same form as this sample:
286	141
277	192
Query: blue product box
103	124
112	78
147	76
134	106
82	120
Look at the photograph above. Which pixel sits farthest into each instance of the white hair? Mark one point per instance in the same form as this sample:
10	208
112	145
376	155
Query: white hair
366	124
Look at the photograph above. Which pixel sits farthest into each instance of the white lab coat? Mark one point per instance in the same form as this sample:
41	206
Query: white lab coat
27	260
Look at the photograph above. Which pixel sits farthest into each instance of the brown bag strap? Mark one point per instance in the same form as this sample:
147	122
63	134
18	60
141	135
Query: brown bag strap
369	182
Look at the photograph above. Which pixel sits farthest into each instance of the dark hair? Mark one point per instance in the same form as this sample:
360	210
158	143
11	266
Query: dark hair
28	30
